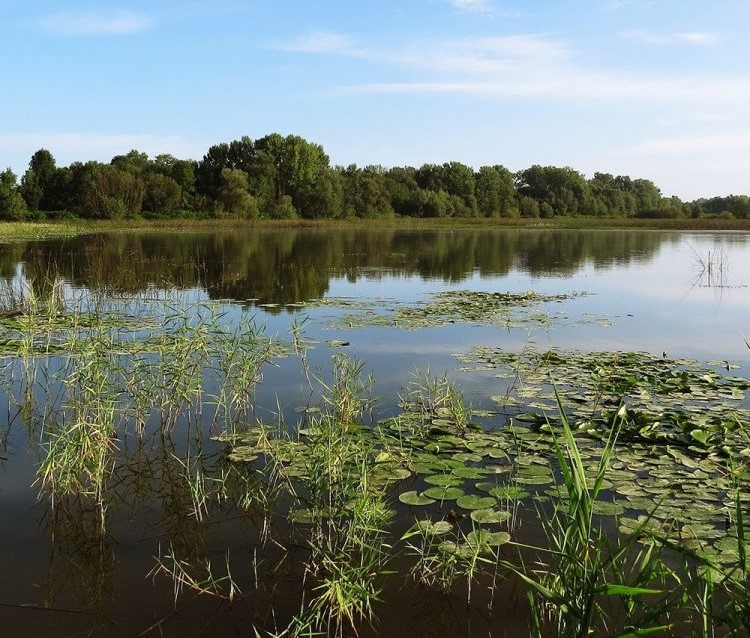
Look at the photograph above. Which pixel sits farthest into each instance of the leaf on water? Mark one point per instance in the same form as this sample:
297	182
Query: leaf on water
415	499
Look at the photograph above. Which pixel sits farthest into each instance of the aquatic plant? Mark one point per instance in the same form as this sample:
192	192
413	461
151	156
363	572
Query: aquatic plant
574	579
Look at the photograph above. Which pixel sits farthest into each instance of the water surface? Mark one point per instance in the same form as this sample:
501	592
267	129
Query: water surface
644	290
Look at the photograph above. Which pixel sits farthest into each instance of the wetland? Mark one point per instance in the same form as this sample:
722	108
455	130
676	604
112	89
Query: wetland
342	431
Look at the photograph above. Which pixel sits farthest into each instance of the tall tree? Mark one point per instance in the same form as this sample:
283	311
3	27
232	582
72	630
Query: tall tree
12	205
234	199
36	181
496	192
134	162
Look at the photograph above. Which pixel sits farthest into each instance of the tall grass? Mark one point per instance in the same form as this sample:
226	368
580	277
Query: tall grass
583	580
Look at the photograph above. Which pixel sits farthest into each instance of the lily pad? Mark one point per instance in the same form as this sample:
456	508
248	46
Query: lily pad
415	499
474	502
489	516
444	493
484	538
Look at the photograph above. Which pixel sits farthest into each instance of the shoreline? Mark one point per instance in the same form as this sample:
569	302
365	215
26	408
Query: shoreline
81	226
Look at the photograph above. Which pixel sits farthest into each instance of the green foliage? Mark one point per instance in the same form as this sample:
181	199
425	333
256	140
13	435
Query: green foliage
37	179
572	589
285	209
111	193
289	177
563	190
233	197
162	194
496	193
12	205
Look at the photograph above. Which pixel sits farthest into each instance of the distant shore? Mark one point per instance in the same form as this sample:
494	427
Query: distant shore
79	226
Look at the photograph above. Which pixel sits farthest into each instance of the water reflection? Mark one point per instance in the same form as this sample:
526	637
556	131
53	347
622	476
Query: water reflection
297	265
172	495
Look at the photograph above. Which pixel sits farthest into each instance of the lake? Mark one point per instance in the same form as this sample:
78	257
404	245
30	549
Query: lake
138	365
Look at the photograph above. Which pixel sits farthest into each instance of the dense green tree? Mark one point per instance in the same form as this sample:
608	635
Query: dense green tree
284	208
298	165
110	192
608	197
325	197
670	207
563	190
453	178
208	170
12	204
234	199
181	171
366	192
647	195
134	162
528	207
403	189
31	190
162	195
287	176
496	192
37	179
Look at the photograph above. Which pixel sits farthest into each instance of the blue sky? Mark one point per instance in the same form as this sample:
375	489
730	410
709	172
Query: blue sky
650	88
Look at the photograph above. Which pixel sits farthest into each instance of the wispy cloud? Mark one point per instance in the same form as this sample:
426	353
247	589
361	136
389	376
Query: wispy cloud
487	56
696	38
523	65
474	6
119	22
321	42
682	145
616	5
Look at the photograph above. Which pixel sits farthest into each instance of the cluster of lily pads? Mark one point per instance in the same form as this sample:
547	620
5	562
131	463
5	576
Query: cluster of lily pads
676	402
467	483
506	309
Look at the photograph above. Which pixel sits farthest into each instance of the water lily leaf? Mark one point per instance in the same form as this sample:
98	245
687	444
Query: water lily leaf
474	502
484	538
443	480
470	472
444	493
436	528
604	508
488	516
508	492
415	499
392	472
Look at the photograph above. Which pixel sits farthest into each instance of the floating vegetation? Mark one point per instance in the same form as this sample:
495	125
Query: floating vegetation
674	402
470	482
506	309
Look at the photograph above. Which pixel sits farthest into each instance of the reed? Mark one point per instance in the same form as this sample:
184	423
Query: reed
581	574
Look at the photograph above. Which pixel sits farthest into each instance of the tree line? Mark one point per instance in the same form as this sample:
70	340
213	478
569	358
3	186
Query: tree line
281	177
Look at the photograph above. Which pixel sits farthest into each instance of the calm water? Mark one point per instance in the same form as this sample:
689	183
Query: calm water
645	290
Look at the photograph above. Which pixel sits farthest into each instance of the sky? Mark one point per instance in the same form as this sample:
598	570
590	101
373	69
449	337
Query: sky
658	89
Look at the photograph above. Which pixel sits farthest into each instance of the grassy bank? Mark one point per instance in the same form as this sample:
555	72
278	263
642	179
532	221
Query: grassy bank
70	227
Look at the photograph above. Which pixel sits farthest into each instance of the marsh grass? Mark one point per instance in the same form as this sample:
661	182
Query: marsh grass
201	578
102	377
713	268
582	574
350	518
79	454
435	402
